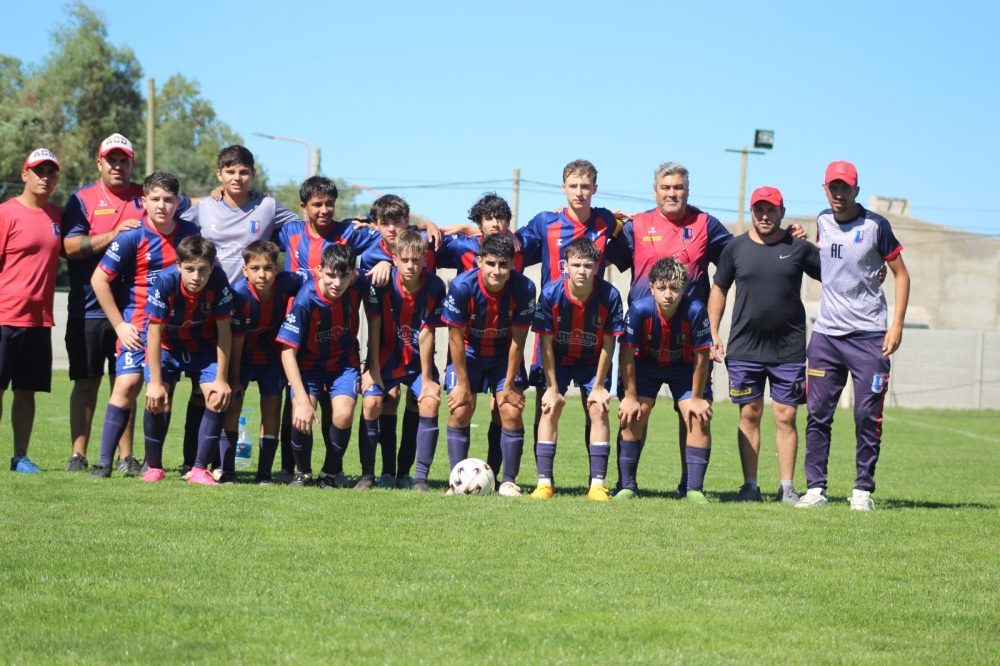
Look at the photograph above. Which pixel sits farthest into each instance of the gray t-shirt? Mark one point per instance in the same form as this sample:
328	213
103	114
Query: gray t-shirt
852	253
769	321
232	229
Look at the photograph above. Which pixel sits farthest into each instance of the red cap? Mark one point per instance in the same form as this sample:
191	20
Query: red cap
116	142
39	156
769	194
844	171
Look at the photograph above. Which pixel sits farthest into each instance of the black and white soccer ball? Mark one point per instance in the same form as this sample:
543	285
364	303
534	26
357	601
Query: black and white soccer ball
471	477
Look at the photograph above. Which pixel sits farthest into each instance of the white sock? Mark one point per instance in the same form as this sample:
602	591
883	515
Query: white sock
750	481
596	482
786	484
861	494
542	480
815	491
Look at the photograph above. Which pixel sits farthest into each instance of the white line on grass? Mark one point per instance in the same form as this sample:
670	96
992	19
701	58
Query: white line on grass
937	427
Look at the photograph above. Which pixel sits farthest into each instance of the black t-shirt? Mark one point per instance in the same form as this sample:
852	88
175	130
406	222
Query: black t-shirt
769	321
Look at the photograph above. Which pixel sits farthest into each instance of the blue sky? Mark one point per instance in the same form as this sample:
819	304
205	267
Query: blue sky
406	94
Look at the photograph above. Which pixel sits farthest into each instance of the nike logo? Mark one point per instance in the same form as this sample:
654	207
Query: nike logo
783	256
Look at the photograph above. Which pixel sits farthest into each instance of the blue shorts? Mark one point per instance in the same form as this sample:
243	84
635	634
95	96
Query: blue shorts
747	378
200	365
342	382
130	361
270	377
581	374
486	375
415	380
649	378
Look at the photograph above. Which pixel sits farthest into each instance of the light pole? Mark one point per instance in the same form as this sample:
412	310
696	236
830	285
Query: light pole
285	138
762	139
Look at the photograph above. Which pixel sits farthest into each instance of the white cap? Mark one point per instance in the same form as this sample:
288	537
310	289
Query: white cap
116	142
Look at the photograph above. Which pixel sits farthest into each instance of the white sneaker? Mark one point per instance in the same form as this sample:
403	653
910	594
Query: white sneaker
812	499
509	489
861	501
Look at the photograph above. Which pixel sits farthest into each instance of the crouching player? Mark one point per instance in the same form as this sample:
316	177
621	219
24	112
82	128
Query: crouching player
188	331
489	311
262	300
320	358
666	341
577	320
403	316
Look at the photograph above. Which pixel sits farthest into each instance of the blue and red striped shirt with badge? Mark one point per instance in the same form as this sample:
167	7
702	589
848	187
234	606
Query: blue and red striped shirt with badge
695	241
304	249
379	252
460	252
666	343
324	332
489	318
138	256
400	318
189	319
548	233
257	321
578	329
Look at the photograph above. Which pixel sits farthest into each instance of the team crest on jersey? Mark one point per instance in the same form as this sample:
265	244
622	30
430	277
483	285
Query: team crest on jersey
597	321
859	235
55	230
255	227
688	234
137	203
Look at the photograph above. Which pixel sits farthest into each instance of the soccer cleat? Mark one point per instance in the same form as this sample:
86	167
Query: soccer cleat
812	499
862	503
748	493
404	482
201	477
386	481
284	477
624	494
100	472
301	480
598	493
152	475
696	497
23	465
263	479
217	474
129	466
77	463
226	478
788	496
340	480
366	482
420	486
509	489
184	471
682	490
542	492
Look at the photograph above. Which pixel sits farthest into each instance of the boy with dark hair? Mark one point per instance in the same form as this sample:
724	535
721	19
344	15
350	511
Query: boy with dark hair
488	310
137	256
321	361
403	316
666	341
577	320
262	299
188	331
29	257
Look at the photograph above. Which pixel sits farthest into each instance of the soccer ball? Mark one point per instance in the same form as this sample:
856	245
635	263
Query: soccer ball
471	477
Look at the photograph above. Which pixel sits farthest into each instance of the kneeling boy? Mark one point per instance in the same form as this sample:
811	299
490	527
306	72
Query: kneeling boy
666	341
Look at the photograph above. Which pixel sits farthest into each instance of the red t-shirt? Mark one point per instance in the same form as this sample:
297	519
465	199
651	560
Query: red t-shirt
29	257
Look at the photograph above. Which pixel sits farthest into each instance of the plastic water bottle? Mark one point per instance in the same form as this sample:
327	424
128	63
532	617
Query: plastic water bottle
244	443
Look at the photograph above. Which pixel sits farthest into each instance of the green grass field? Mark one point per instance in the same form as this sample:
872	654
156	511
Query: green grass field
124	572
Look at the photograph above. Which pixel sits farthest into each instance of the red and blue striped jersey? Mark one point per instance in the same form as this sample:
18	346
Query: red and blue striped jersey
379	252
460	252
578	329
138	255
257	321
189	319
324	332
401	317
304	249
668	344
648	237
489	318
548	233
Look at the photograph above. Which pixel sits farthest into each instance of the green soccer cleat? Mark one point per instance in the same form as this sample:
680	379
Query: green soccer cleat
696	497
386	481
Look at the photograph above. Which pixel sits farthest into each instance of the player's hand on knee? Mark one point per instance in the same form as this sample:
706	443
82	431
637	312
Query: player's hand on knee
430	390
628	412
600	397
157	398
460	395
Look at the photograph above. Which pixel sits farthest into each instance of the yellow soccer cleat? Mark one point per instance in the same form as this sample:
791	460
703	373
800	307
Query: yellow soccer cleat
543	491
599	493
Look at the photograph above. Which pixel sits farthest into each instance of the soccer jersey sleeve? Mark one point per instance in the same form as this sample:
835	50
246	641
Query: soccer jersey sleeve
531	241
225	305
448	255
543	314
621	248
361	239
718	238
290	332
888	246
701	332
74	220
158	302
616	318
373	300
121	254
725	271
435	302
632	333
524	302
237	325
454	311
283	216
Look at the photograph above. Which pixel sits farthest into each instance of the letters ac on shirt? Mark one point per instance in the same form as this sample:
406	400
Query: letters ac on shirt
400	318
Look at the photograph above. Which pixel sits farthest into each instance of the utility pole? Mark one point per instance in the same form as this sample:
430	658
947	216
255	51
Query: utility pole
513	199
762	139
150	125
316	162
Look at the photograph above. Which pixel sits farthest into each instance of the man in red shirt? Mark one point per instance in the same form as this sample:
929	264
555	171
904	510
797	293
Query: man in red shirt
29	258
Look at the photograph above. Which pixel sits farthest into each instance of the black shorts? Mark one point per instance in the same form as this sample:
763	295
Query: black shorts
90	344
26	358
